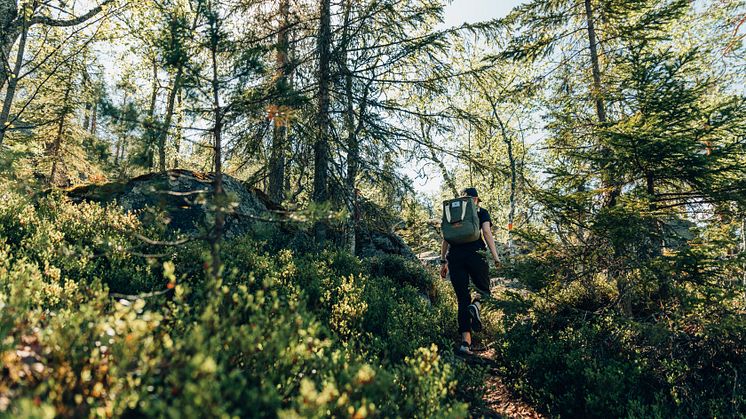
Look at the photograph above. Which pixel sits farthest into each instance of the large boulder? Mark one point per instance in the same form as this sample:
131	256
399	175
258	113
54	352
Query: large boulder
182	197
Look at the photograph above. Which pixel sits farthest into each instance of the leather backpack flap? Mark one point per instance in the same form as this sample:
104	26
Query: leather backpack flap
455	210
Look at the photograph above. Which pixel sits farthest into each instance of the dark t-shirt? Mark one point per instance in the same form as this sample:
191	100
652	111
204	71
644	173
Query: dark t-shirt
476	245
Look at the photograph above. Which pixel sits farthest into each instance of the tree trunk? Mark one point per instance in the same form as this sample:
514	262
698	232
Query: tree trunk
153	90
513	184
12	84
179	131
279	132
120	141
353	146
57	145
595	67
612	187
9	31
218	197
87	116
94	113
743	248
508	140
163	134
151	127
88	106
321	146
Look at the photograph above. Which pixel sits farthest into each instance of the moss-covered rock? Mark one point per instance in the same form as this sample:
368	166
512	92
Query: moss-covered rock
183	197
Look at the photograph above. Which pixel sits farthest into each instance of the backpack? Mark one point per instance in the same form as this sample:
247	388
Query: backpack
460	223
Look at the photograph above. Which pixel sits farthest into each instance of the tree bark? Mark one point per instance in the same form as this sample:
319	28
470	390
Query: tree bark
120	141
353	146
12	83
9	31
508	140
279	132
94	113
219	196
595	67
610	184
153	89
179	132
321	146
163	134
513	185
743	248
87	116
57	145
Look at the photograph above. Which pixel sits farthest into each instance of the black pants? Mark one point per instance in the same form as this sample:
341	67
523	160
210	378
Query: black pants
462	265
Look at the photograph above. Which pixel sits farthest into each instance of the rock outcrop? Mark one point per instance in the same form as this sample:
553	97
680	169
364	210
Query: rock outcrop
183	197
180	198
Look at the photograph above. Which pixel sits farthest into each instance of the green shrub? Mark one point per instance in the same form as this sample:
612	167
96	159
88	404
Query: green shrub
83	241
277	334
402	271
572	348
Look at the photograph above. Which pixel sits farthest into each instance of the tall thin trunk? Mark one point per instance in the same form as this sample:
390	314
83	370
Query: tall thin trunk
743	248
595	67
88	105
447	178
179	132
57	145
151	127
120	141
321	146
353	146
94	113
279	134
87	116
218	197
163	134
508	140
13	83
610	184
513	184
153	89
608	181
8	36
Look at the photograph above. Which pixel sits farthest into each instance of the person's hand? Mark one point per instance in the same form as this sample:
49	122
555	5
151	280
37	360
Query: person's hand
443	270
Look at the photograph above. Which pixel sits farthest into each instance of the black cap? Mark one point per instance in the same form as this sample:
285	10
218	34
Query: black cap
471	192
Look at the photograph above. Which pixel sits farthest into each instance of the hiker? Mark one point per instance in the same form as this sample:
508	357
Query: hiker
467	260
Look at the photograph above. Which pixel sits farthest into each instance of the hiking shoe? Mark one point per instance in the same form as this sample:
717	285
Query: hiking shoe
465	348
476	320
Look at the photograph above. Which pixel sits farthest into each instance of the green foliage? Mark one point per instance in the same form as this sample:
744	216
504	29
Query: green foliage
278	334
402	272
85	241
572	346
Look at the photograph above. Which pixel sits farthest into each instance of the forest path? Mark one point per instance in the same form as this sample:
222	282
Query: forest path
498	401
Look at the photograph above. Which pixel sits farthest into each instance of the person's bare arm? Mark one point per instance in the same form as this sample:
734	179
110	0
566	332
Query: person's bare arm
487	232
443	253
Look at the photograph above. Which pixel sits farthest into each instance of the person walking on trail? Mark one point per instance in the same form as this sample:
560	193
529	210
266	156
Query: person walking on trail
468	260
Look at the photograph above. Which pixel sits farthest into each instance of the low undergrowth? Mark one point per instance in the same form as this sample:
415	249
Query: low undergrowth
278	334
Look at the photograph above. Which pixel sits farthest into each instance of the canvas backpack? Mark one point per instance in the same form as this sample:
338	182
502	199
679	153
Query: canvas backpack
460	223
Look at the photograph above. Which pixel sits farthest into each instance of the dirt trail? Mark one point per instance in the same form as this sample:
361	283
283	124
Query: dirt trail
499	401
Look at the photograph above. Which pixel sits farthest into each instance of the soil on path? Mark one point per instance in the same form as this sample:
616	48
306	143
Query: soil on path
498	401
